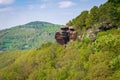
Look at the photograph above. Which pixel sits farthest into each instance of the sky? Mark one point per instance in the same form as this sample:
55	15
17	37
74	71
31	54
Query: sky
18	12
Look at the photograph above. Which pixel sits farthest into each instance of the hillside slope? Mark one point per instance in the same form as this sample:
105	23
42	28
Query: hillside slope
99	60
28	36
79	60
98	16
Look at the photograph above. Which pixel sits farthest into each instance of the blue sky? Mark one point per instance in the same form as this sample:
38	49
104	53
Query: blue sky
18	12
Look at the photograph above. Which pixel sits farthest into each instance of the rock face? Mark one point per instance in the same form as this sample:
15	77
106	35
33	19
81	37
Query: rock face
61	39
65	35
72	34
91	33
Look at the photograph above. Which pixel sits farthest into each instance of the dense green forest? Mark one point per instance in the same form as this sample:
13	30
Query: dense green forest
28	36
79	60
99	60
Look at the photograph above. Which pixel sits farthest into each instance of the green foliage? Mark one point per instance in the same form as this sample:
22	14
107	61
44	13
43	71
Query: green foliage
79	21
115	63
93	17
105	13
108	41
85	60
29	36
116	75
78	61
114	1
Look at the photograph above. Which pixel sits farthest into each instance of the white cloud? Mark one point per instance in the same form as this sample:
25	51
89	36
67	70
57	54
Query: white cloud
43	6
6	9
65	4
6	1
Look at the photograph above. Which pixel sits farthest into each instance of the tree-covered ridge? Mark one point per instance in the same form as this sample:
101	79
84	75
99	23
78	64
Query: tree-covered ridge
108	12
79	60
28	36
99	60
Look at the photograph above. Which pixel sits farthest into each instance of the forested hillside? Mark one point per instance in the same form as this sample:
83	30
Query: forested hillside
28	36
99	60
108	12
79	60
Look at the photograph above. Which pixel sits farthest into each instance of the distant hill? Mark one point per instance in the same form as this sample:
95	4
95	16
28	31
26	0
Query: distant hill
29	36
